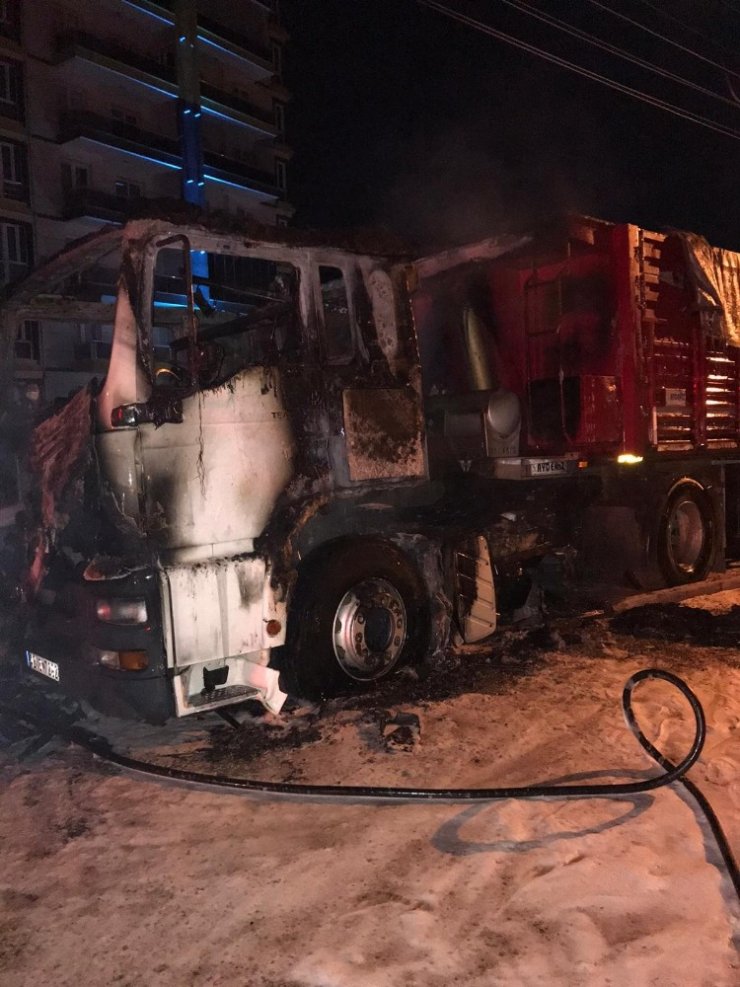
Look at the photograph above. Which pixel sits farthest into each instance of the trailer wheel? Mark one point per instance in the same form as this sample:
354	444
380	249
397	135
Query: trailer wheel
686	535
360	613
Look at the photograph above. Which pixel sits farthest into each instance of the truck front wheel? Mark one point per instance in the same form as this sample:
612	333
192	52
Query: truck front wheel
686	534
359	614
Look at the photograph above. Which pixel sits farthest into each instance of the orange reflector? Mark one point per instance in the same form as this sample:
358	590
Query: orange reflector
582	464
273	628
133	661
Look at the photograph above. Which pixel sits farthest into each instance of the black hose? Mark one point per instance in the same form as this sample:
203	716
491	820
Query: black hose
703	802
673	772
100	746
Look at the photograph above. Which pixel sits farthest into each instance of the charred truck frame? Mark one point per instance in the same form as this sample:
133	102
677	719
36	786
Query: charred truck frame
306	466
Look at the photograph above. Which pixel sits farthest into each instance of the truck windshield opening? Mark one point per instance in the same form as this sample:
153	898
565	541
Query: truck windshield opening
246	311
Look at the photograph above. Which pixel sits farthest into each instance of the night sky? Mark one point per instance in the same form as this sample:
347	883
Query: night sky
404	119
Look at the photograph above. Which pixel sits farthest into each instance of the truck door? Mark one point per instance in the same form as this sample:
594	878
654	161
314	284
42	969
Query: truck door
376	412
219	448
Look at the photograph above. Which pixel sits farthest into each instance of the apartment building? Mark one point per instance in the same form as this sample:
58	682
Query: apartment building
94	100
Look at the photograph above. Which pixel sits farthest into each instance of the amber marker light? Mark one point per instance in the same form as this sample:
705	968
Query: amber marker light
628	459
133	661
126	661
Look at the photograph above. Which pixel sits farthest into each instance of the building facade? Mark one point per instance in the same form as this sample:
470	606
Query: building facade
110	105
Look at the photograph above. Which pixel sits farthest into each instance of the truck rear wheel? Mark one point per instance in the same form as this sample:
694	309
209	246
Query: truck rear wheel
686	534
360	613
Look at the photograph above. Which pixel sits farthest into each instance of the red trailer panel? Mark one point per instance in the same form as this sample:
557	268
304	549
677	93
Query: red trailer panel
600	331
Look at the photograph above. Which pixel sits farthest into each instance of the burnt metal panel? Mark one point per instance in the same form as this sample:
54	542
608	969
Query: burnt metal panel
384	431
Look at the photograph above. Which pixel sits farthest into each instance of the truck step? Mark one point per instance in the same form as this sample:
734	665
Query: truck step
232	693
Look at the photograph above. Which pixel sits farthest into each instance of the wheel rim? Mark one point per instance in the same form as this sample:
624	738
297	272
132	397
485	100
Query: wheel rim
369	630
686	536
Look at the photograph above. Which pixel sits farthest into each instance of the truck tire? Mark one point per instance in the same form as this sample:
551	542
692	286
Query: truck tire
686	544
360	612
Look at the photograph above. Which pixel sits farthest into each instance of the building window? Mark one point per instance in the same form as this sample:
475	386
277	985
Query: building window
127	190
11	89
279	110
124	120
281	175
13	171
95	341
277	59
74	176
28	342
242	94
15	250
65	18
10	19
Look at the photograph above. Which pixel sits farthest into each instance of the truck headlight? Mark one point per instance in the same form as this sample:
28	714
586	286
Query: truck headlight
121	611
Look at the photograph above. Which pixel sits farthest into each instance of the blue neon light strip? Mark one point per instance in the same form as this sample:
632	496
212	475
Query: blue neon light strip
246	57
260	128
149	13
134	154
131	78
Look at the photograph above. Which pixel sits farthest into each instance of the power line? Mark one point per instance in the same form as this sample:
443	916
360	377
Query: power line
663	37
591	39
686	27
578	69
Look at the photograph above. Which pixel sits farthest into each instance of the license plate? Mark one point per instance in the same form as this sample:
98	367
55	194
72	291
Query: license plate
48	668
548	467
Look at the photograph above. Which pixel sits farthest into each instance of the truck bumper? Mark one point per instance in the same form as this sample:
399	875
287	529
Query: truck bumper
63	630
222	620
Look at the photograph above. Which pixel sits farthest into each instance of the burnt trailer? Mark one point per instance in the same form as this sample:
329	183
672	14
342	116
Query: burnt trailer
306	466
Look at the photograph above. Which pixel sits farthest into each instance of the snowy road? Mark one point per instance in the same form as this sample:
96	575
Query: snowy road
113	879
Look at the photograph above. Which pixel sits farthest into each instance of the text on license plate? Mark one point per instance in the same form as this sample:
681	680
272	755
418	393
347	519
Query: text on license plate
48	668
546	467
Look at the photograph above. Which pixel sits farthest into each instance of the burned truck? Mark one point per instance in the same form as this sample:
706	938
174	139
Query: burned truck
307	466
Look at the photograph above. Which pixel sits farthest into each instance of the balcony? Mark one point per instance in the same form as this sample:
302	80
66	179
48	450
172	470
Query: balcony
118	58
157	149
237	44
95	204
231	172
212	32
125	137
223	103
161	77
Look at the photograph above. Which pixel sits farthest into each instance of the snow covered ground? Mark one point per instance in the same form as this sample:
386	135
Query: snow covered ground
112	879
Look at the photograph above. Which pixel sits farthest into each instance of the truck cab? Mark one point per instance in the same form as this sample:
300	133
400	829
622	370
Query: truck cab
257	389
